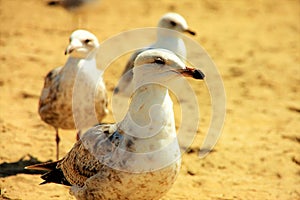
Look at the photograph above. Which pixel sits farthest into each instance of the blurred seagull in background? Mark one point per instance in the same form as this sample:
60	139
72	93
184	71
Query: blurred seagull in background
170	40
138	157
76	87
79	8
70	4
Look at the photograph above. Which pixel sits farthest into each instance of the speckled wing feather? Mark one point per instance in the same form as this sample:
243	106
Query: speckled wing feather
130	62
51	82
49	96
80	164
126	85
56	105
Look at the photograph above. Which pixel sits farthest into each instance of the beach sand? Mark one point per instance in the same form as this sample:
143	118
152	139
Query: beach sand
256	48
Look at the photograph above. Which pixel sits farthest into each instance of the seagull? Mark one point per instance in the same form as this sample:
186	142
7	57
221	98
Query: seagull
76	7
70	4
58	99
166	40
138	157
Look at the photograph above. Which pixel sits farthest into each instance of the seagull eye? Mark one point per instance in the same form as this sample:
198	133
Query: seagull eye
173	23
159	61
87	41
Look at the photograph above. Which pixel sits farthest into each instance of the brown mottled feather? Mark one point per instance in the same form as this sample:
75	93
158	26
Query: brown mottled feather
92	179
49	97
55	107
77	166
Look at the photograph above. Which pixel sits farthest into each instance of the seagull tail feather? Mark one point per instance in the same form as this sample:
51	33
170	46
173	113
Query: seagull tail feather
55	176
48	166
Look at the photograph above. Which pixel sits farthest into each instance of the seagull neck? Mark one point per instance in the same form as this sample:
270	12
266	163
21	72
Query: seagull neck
171	41
72	65
74	59
167	38
150	116
92	54
146	98
164	33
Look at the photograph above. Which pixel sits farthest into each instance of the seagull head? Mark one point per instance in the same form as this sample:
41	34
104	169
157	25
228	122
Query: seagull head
161	66
83	44
175	22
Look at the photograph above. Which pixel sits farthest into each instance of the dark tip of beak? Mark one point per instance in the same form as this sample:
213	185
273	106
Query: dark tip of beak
190	32
192	72
69	51
198	74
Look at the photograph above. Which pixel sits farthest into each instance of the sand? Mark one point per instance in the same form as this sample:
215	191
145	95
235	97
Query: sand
254	44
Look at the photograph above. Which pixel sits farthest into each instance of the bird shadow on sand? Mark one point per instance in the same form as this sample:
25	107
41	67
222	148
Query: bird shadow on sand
14	168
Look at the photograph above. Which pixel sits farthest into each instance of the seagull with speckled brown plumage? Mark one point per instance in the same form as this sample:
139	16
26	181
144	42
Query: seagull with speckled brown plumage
138	157
58	102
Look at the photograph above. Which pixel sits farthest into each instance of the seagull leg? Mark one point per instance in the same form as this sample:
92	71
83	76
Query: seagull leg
57	139
78	135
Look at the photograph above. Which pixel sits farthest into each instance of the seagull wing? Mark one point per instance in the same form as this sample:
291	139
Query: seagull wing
80	163
49	92
125	87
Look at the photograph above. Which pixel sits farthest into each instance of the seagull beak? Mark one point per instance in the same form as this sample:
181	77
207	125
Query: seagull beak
75	44
190	32
192	72
69	50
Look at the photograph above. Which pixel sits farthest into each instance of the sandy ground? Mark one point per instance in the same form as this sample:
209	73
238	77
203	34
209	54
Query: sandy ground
256	46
